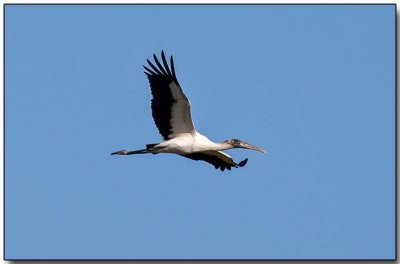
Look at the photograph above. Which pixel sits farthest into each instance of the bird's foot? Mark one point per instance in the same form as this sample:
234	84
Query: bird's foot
120	152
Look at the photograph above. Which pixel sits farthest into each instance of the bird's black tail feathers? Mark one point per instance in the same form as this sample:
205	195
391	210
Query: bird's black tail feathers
149	146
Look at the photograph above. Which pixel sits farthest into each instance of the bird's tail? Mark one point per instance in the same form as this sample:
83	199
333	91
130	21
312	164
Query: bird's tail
149	146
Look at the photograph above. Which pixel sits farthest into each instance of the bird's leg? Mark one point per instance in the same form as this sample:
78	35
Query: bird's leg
120	152
126	152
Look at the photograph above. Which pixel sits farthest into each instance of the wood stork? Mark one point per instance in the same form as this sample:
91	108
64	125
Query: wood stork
171	113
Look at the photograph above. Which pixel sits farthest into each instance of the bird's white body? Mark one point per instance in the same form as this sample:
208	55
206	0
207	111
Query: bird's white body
187	143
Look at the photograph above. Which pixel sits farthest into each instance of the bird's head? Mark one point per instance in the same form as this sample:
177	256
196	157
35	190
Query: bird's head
237	143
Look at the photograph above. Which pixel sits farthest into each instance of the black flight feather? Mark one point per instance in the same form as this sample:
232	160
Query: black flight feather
214	160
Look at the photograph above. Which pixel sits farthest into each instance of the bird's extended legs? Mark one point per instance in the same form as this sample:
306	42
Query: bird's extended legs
127	152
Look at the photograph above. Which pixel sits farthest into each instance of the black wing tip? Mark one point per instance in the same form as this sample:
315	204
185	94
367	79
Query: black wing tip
240	164
159	69
243	162
173	69
165	62
162	70
155	56
148	71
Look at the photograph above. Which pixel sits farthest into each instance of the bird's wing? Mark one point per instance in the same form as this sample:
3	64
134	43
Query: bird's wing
219	159
170	107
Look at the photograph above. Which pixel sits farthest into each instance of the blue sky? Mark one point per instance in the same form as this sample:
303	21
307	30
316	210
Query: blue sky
312	84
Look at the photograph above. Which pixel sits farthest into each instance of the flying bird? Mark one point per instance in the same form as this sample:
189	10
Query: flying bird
171	113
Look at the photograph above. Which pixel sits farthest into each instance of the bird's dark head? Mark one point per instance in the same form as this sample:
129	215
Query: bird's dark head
237	143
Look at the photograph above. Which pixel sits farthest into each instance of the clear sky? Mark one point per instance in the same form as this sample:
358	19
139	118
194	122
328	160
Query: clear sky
313	85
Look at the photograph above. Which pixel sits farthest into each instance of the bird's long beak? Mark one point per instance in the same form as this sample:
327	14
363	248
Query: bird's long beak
249	146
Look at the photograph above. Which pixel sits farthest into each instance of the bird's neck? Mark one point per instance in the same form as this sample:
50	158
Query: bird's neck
222	146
